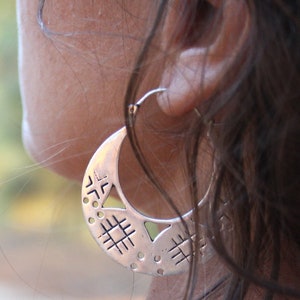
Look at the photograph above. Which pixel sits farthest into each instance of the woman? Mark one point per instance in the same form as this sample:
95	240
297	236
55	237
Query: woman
224	128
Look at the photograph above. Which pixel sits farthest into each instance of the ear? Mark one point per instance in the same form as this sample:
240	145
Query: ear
194	72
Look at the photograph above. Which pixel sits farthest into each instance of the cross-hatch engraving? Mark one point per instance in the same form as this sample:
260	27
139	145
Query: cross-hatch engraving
117	234
181	250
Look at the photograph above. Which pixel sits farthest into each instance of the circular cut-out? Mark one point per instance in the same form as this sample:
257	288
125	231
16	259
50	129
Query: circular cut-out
141	255
91	220
160	272
100	214
95	204
157	258
133	266
85	200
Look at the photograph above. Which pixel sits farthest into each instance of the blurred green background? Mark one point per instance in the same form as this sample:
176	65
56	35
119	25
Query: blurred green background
12	154
45	249
22	182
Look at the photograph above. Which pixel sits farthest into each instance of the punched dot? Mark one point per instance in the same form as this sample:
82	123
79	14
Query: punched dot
100	214
157	258
140	255
95	204
133	266
91	220
85	200
160	272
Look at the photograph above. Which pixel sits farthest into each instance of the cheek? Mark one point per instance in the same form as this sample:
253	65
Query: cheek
73	85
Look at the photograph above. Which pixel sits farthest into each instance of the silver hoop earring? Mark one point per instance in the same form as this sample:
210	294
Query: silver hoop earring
123	233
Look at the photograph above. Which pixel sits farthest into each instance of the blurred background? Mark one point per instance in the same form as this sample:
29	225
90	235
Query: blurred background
46	251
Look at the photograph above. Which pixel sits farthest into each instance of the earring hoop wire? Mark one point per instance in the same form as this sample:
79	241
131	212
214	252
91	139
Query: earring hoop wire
133	108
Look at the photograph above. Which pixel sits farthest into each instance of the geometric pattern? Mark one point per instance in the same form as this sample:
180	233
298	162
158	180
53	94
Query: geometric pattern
117	234
181	249
94	190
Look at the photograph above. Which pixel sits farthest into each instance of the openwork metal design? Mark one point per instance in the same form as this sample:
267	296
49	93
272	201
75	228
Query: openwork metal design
122	232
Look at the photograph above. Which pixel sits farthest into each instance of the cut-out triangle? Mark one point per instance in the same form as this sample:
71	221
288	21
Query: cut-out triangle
112	202
154	229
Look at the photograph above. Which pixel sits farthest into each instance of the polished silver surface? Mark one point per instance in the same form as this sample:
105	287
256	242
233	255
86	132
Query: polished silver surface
124	233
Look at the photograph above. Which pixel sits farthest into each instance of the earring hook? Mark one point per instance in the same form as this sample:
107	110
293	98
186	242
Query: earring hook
132	108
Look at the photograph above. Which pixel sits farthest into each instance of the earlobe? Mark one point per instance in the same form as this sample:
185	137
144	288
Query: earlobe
196	71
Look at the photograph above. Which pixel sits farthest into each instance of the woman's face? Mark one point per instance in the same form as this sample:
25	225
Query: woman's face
74	74
73	77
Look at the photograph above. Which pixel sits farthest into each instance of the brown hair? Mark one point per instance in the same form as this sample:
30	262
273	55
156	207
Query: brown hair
256	147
